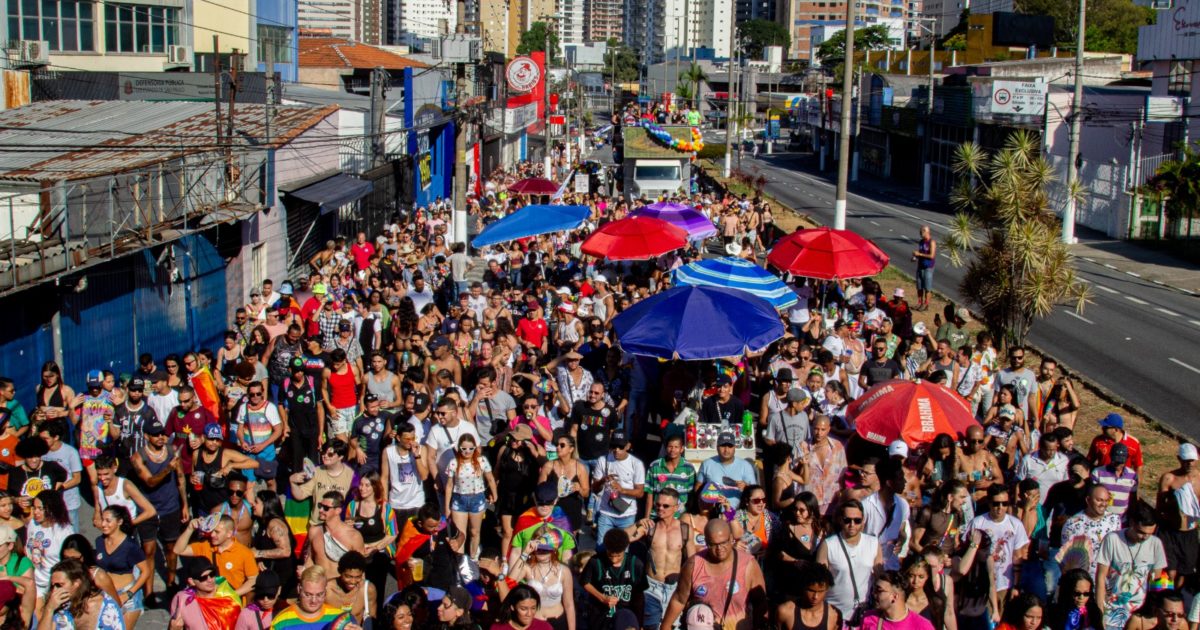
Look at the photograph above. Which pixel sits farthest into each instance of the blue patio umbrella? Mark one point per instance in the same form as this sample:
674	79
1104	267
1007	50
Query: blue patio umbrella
737	273
532	221
695	323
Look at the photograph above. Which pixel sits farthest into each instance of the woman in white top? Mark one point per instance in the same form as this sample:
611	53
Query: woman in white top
49	527
539	567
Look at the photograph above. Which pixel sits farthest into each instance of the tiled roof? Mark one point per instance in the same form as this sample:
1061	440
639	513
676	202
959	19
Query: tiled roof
333	52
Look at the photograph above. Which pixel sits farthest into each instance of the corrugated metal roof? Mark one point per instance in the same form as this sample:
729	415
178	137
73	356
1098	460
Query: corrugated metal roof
64	140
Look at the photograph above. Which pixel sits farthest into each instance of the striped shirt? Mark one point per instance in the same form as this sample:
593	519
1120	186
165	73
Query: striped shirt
1119	486
292	618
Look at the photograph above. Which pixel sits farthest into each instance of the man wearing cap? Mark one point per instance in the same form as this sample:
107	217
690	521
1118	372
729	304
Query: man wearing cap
371	427
345	340
280	353
199	605
790	426
258	428
260	611
303	414
955	330
1112	432
158	471
1119	478
1178	505
545	514
132	416
775	399
533	331
619	482
211	468
727	472
723	407
94	419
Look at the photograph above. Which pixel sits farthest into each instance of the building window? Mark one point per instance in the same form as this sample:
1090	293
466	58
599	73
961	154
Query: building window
279	39
67	25
131	28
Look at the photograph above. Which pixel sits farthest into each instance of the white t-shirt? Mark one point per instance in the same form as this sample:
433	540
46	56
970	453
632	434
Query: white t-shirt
876	524
43	546
1131	568
1007	537
630	473
67	457
862	558
444	440
163	405
405	491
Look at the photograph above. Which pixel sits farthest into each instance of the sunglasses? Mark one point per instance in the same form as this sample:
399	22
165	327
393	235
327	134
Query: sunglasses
1001	503
238	493
664	506
255	394
1083	593
852	521
466	449
563	445
758	500
207	576
975	441
326	508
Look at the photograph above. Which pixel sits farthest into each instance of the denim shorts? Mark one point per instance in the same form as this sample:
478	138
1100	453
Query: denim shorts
469	503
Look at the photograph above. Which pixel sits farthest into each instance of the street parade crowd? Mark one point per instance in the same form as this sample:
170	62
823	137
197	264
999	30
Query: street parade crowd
382	442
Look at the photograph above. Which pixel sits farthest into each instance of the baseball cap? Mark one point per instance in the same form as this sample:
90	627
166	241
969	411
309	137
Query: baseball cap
797	394
1187	452
784	374
699	617
618	440
420	403
522	432
545	493
1008	411
370	398
920	328
345	326
267	584
297	364
898	449
199	566
460	597
7	534
1113	420
137	384
285	288
726	439
154	428
566	307
319	289
95	378
724	380
961	313
1119	454
212	431
899	292
439	342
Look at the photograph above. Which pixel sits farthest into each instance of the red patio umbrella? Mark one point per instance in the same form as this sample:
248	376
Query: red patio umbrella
915	411
534	186
827	254
634	238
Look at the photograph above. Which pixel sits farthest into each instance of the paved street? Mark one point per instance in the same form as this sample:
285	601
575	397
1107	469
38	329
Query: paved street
1138	339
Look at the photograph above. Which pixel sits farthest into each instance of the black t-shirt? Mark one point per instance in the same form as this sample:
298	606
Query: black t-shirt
878	373
301	405
595	429
716	412
368	432
50	474
132	424
627	582
1063	501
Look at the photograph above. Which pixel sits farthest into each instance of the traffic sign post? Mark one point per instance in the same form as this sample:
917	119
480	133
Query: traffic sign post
1019	98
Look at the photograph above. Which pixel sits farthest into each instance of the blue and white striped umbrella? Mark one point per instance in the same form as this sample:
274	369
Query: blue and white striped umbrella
737	273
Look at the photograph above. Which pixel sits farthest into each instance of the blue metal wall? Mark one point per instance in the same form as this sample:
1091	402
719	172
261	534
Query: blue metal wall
131	305
280	13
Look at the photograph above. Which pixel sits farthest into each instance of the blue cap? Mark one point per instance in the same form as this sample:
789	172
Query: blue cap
95	378
212	431
1113	420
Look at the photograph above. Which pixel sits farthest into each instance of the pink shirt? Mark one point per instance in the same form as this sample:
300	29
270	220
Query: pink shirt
912	622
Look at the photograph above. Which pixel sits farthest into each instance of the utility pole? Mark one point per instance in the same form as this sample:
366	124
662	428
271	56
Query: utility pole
1068	219
269	110
462	94
732	76
217	88
548	164
927	180
375	130
839	206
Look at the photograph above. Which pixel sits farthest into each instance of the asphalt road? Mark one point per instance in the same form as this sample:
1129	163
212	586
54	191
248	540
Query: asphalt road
1139	340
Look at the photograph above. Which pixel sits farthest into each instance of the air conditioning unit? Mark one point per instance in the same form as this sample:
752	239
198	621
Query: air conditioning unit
178	57
31	53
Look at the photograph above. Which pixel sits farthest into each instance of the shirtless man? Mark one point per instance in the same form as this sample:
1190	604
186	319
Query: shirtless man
237	507
670	543
1179	511
976	467
346	592
441	358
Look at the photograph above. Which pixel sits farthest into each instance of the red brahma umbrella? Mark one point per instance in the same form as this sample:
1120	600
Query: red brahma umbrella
827	254
534	186
634	238
914	411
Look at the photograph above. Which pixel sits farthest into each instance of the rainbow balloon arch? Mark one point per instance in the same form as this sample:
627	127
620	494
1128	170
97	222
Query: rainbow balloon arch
663	136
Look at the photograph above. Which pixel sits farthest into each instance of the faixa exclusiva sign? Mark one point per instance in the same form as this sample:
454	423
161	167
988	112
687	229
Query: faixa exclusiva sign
1174	36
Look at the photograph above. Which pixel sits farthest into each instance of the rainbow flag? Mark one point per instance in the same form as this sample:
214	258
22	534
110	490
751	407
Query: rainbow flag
1162	583
296	514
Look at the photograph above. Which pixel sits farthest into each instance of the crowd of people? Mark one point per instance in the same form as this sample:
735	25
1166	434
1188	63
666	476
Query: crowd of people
384	442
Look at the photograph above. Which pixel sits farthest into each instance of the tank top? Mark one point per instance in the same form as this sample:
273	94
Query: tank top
262	541
371	527
404	485
343	389
381	389
549	586
821	625
567	333
56	396
118	497
712	588
925	247
281	358
164	497
208	495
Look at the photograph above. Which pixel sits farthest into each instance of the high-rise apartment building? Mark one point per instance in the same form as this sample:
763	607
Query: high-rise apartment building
755	10
604	20
571	23
494	25
948	13
335	18
425	18
804	17
666	29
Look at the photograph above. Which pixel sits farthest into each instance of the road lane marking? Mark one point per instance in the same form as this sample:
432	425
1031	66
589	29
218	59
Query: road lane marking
1194	322
1181	363
1107	290
1078	316
1109	266
875	223
1135	275
1167	312
1137	300
905	237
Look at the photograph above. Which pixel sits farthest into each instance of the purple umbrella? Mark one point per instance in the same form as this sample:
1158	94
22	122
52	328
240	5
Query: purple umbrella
690	219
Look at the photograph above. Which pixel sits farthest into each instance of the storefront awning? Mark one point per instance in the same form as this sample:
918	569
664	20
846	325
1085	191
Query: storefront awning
334	192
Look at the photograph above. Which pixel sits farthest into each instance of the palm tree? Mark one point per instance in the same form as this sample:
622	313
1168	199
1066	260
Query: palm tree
1178	181
695	75
1020	269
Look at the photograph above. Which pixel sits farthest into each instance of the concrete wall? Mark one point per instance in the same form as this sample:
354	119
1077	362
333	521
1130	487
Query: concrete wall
232	21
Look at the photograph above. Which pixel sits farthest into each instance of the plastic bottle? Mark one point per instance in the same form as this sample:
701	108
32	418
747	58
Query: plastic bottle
747	423
691	432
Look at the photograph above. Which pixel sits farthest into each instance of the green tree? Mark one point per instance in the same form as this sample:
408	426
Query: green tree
693	76
534	40
628	67
758	34
1111	24
833	50
1020	268
1177	182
